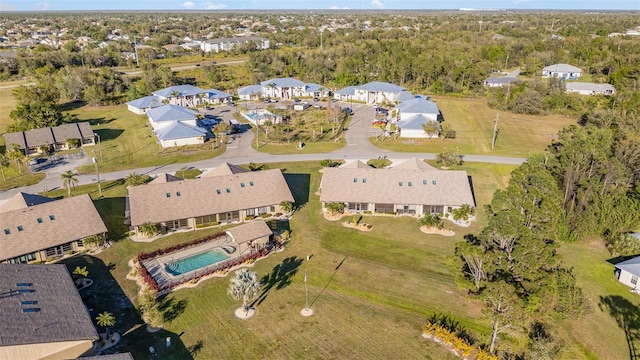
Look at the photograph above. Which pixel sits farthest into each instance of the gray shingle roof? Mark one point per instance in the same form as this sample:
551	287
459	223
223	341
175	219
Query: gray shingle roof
499	80
225	169
121	356
631	265
207	195
61	315
349	90
383	186
217	94
74	218
165	178
42	136
249	231
23	200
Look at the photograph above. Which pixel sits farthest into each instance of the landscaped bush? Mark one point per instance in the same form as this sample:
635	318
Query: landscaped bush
204	225
264	216
249	217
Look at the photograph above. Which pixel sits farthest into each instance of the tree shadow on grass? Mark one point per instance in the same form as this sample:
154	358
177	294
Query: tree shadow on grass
108	134
627	316
170	308
279	278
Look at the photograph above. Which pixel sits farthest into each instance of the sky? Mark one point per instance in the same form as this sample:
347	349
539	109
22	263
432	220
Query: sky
61	5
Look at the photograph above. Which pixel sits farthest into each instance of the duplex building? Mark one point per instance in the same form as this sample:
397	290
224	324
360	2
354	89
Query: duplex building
281	88
413	114
37	228
410	188
175	125
226	194
372	93
52	138
226	44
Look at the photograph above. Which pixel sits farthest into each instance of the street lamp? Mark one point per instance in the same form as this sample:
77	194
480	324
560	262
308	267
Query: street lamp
97	171
99	147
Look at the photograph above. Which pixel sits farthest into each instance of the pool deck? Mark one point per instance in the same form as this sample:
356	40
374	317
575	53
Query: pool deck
156	266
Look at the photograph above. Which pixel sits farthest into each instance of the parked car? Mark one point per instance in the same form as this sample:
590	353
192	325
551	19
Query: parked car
296	100
316	99
348	110
273	100
317	106
37	161
231	103
266	101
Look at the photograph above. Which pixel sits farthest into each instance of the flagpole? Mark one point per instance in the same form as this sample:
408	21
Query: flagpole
307	311
306	291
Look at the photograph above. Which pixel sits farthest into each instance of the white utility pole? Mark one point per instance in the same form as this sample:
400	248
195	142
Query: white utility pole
495	131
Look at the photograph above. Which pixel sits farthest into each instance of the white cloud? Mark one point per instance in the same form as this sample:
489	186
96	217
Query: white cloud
377	3
188	5
42	6
520	1
335	7
209	6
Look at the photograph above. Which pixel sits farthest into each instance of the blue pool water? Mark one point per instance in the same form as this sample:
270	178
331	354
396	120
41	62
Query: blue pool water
195	262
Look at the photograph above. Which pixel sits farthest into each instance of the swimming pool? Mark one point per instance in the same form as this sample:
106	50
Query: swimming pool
195	262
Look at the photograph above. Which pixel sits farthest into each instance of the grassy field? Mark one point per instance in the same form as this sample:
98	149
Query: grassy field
371	291
7	103
127	141
473	121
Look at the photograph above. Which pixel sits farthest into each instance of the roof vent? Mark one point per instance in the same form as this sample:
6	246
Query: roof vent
39	220
20	228
364	180
433	182
241	184
218	191
24	284
250	183
52	217
228	190
7	231
177	193
355	180
400	183
409	183
30	310
168	194
424	182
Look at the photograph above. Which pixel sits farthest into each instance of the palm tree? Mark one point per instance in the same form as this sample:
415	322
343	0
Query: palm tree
244	285
14	153
106	320
69	180
134	179
4	162
286	206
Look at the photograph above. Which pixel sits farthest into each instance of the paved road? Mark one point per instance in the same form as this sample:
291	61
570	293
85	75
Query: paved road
239	151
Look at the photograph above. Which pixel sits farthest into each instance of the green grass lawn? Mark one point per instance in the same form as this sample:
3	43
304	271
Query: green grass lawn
473	121
614	310
371	291
127	141
7	103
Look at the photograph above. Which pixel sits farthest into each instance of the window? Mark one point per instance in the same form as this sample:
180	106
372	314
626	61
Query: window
634	279
241	184
251	212
433	182
7	231
218	192
168	194
20	228
52	217
39	220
